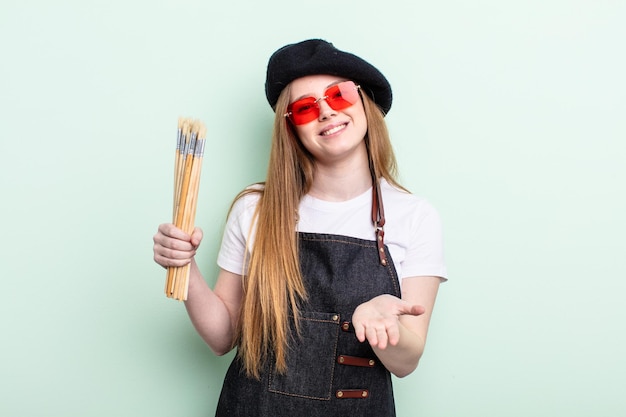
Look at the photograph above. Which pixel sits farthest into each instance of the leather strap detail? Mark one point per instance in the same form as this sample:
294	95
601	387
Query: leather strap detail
355	361
378	218
352	393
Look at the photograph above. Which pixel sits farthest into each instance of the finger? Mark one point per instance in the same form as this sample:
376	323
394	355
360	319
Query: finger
196	237
173	243
393	334
167	262
175	254
371	335
172	249
381	336
417	310
172	231
359	332
410	309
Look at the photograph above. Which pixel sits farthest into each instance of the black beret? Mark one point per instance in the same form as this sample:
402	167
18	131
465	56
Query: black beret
316	56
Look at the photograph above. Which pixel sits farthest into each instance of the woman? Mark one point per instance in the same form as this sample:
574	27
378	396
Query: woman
329	269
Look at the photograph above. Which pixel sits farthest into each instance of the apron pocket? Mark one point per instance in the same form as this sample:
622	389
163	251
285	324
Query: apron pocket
311	358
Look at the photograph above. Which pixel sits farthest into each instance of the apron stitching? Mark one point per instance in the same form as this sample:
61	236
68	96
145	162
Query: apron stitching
363	245
332	372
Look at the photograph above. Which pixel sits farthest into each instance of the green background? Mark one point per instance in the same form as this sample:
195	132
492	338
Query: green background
508	116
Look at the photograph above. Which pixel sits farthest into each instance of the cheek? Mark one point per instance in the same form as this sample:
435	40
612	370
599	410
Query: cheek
359	113
363	124
302	133
360	121
303	137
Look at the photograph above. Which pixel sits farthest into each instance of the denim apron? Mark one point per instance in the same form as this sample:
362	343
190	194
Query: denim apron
329	372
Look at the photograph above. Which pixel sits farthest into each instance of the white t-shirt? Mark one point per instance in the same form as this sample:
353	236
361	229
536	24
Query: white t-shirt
413	231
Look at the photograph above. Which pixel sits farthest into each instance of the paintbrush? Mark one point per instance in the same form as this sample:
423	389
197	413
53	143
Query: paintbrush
191	137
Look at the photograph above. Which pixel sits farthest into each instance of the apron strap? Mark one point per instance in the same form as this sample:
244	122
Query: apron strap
378	218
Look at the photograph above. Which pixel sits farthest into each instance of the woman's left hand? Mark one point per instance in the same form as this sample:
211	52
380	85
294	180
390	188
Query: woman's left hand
377	320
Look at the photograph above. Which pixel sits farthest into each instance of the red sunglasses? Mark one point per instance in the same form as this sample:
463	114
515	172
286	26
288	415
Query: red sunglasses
339	96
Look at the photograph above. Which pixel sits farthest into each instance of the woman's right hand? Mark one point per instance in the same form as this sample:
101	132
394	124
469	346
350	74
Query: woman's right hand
174	247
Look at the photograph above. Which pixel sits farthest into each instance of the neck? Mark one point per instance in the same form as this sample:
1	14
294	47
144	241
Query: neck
341	182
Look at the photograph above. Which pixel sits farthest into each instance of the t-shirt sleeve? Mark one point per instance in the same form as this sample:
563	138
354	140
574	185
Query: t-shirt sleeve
232	251
424	256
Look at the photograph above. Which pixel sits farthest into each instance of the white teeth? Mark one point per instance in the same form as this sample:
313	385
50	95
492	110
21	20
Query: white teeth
333	130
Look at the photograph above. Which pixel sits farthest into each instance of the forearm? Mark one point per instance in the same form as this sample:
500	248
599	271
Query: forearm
209	314
402	359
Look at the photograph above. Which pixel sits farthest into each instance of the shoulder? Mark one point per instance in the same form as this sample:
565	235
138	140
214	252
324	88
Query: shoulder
413	232
399	203
246	201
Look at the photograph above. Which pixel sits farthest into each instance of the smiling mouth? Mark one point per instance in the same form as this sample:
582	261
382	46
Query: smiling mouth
334	130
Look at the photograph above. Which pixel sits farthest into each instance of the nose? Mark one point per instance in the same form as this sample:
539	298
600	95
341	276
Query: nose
325	110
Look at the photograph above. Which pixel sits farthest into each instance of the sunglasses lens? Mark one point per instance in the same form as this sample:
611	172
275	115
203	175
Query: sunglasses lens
342	95
338	97
304	111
